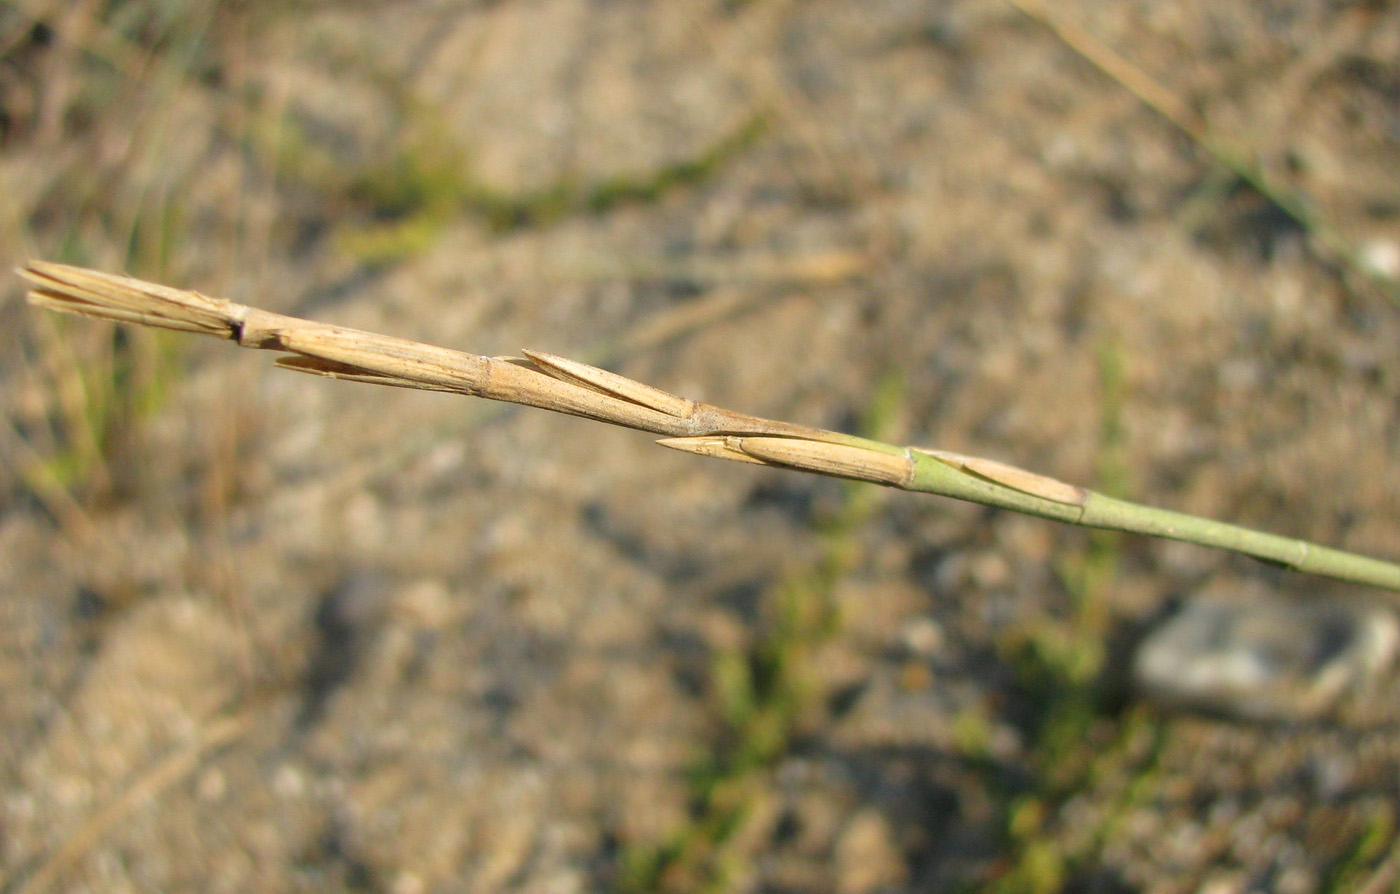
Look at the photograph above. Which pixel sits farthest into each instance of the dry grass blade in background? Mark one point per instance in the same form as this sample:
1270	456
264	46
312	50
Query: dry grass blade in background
567	386
1333	244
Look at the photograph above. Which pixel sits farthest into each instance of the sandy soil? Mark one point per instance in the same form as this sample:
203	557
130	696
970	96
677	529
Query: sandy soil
264	632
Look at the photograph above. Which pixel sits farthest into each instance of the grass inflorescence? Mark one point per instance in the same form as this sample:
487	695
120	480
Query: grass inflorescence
556	383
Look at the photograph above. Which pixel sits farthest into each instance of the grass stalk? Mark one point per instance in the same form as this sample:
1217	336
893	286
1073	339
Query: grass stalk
567	386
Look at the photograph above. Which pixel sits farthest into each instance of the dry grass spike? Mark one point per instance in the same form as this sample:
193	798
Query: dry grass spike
567	386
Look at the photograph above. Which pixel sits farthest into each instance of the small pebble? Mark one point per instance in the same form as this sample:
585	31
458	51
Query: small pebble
211	785
1381	256
1264	659
867	858
921	636
288	782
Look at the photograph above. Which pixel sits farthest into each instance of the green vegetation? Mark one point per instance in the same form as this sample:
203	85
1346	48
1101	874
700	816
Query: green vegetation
429	182
1073	743
1374	844
765	696
141	56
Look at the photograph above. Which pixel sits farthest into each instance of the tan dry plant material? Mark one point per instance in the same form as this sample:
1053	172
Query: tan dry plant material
567	386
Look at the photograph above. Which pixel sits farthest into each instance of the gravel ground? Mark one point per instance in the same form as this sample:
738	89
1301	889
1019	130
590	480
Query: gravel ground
264	632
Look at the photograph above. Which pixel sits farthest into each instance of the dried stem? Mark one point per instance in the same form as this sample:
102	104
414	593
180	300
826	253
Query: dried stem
567	386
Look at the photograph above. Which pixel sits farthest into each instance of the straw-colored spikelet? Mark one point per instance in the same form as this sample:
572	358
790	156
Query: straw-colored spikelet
555	383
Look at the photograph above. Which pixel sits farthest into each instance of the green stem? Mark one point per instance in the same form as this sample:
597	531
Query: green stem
1299	555
934	477
1099	511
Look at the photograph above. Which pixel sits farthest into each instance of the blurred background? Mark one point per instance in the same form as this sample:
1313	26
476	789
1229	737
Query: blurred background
266	632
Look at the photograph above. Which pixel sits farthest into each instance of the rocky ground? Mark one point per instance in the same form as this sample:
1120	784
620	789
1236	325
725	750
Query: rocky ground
265	632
